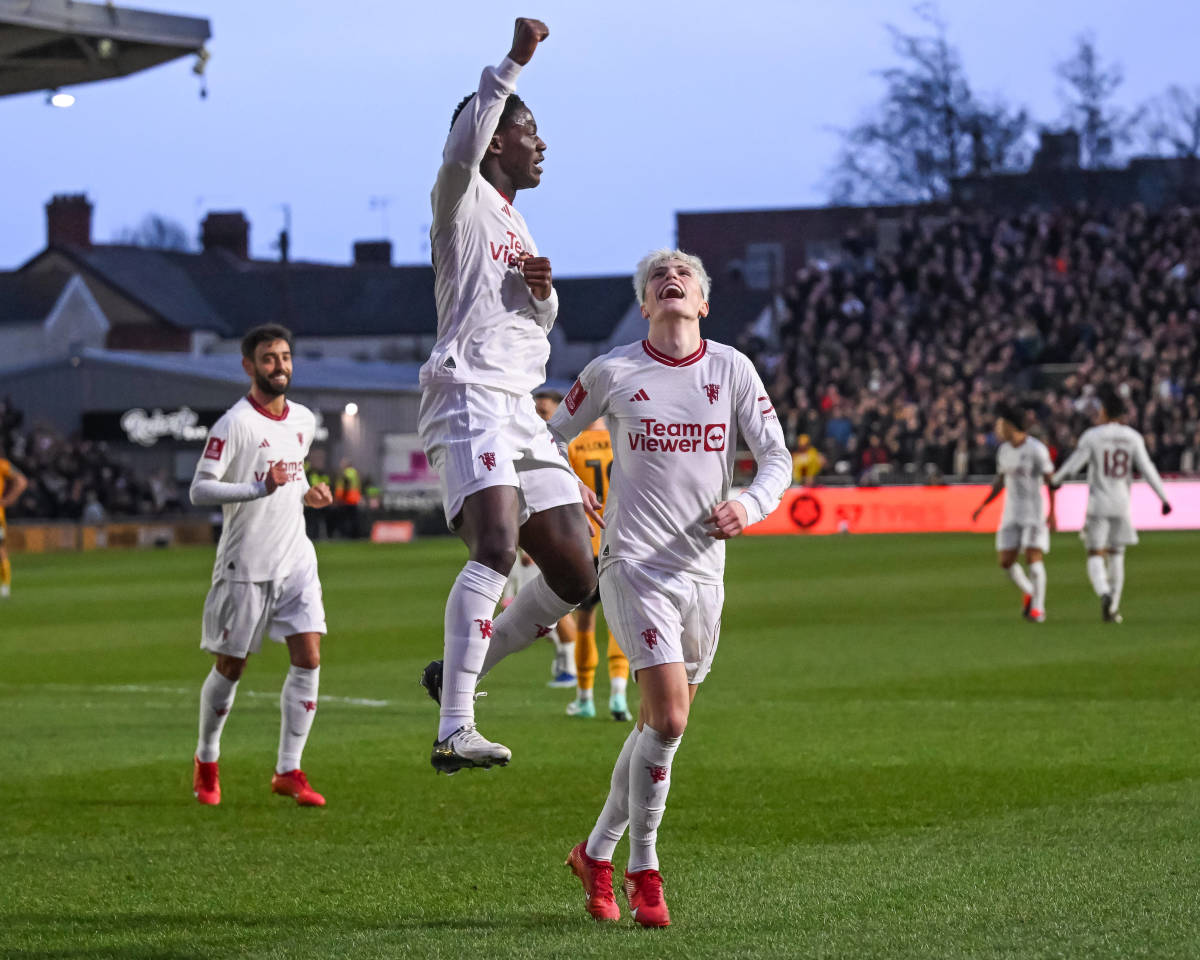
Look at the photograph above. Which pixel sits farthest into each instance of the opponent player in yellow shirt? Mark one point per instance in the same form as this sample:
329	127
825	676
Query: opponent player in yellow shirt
12	485
590	456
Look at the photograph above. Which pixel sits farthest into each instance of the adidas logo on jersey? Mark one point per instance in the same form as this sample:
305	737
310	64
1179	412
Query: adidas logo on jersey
640	395
263	444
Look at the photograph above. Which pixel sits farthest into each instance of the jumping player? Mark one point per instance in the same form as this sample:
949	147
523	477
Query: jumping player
1110	451
503	479
676	405
12	484
591	458
265	576
1022	463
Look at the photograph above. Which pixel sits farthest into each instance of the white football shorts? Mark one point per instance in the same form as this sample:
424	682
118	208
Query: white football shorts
238	612
476	437
662	617
1105	533
1023	536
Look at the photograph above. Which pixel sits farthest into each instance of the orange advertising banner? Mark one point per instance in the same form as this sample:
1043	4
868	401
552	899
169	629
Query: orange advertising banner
819	510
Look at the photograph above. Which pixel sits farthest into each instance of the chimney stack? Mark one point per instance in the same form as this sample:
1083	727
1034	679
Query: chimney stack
374	253
69	220
229	230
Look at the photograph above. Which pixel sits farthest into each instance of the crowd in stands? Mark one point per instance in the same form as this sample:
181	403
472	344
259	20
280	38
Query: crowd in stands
71	479
891	361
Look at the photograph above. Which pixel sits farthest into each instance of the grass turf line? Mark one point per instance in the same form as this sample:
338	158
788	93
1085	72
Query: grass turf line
885	762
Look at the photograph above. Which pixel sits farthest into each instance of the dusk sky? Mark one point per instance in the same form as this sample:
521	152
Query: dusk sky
647	108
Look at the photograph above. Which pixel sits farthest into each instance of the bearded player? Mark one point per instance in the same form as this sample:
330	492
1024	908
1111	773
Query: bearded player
265	575
677	406
1110	451
503	480
1022	464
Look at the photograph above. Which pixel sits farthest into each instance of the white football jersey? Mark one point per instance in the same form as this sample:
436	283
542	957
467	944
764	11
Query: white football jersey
262	539
675	426
491	329
1024	469
1110	452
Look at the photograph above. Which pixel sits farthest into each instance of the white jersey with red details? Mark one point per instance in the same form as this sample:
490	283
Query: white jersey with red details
491	329
1024	469
262	539
675	426
1110	452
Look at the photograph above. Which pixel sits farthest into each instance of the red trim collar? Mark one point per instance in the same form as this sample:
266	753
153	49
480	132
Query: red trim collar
507	198
267	413
672	361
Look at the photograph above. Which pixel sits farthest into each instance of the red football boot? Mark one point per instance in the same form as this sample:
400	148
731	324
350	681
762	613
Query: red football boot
1026	605
596	877
295	784
206	782
644	892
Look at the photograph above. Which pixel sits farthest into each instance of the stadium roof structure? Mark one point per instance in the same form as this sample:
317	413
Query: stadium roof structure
45	44
325	374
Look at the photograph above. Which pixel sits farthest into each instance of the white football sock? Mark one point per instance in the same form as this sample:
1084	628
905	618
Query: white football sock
564	657
649	782
581	694
537	607
614	818
469	631
1098	575
1016	573
1037	572
1116	573
297	710
617	686
216	700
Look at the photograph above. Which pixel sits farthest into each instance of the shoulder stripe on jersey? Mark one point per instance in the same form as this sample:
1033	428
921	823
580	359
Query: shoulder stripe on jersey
267	413
672	361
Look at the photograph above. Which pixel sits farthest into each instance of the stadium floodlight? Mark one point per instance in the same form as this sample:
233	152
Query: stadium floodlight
351	409
60	100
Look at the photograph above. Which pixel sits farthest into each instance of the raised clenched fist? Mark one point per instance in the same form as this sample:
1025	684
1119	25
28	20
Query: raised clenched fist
527	34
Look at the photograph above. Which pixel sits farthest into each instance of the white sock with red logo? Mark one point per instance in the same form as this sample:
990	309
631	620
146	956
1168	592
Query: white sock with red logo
649	782
1037	571
1016	574
469	632
216	700
532	614
614	818
297	710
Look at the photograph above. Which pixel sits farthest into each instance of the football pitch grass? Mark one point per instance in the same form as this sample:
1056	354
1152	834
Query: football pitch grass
885	762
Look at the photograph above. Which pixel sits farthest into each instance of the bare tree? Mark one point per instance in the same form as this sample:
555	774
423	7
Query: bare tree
157	232
1173	122
928	128
1091	86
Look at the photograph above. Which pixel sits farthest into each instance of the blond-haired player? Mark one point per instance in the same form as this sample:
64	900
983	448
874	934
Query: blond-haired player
677	406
